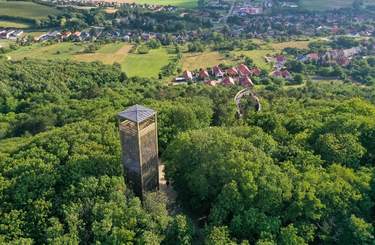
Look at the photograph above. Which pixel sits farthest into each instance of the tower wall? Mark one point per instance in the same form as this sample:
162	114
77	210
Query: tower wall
140	155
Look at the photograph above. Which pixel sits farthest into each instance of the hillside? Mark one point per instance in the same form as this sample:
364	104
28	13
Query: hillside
290	168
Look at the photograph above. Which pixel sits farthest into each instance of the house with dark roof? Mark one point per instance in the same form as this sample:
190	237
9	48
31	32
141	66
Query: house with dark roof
300	57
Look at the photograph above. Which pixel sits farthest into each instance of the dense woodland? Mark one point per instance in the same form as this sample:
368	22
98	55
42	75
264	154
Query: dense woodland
299	172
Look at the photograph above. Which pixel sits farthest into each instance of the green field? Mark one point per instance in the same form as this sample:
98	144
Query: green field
189	4
321	5
47	52
256	56
110	48
26	9
146	65
14	24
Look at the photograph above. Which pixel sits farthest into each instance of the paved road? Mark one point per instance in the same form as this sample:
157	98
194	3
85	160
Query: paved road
229	13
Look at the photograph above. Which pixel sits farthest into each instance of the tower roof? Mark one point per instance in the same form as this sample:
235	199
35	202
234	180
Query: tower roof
137	113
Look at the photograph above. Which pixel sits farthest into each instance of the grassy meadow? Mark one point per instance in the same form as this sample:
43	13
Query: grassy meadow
147	65
67	51
110	53
321	5
192	61
189	4
294	44
26	9
14	24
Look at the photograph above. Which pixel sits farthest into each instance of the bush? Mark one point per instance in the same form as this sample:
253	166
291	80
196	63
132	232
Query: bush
143	49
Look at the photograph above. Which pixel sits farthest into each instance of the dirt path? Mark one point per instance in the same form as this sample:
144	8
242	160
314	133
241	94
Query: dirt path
173	208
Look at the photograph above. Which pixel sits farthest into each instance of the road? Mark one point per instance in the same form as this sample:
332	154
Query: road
229	13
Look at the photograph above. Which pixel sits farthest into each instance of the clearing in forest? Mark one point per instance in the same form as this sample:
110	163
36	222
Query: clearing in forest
147	65
26	9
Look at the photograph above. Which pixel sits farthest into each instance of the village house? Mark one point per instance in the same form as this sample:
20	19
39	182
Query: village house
312	56
231	72
5	35
280	60
300	57
228	81
217	71
342	62
256	71
17	33
243	70
204	75
187	75
245	82
277	74
284	74
210	83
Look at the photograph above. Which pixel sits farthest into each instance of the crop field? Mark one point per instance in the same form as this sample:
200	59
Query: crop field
107	54
26	9
192	61
147	65
111	48
14	24
67	51
296	44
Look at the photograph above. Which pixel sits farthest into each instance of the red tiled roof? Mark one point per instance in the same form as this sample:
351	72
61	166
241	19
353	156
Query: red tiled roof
211	83
277	73
285	73
231	71
244	70
246	81
341	62
187	74
314	56
228	81
280	58
203	74
216	69
256	71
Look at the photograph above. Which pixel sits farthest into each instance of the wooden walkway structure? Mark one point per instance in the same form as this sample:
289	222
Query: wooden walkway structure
243	93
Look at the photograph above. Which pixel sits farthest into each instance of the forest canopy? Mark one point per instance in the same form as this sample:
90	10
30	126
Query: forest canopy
299	172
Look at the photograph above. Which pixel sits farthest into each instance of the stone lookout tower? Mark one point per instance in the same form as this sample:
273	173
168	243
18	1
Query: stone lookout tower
139	144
